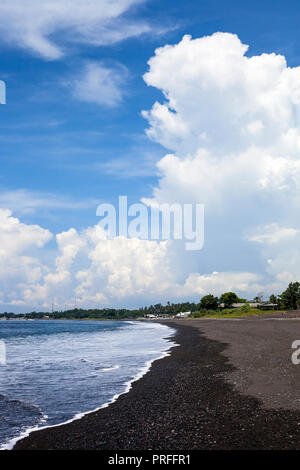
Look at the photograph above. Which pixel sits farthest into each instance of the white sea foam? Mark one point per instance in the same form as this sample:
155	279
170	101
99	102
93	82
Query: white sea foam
108	369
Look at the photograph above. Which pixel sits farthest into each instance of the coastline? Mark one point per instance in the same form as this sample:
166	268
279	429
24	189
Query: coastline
169	343
186	400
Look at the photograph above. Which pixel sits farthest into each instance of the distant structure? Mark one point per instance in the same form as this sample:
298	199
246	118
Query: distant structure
268	306
253	305
183	314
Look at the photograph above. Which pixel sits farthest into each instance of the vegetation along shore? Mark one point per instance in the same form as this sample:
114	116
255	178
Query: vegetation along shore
228	304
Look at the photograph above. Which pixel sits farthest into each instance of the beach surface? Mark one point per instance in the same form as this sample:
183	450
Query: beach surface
230	384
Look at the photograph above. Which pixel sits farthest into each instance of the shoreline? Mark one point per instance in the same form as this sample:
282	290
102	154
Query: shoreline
185	401
170	343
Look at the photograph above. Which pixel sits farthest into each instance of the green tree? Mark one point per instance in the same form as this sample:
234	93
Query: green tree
228	298
273	299
245	308
209	302
291	296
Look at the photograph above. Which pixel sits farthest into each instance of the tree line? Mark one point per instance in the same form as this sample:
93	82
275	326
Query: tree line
289	300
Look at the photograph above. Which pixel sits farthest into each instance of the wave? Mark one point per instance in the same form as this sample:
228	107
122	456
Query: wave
107	369
9	444
128	385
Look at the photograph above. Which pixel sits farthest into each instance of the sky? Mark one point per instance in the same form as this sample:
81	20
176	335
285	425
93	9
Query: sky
164	102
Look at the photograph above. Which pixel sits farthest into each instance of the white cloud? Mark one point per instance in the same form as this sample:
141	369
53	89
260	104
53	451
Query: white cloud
232	122
97	270
231	119
99	84
217	283
16	237
69	244
124	267
19	265
219	99
46	26
273	234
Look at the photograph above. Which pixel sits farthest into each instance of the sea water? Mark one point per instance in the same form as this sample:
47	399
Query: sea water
56	371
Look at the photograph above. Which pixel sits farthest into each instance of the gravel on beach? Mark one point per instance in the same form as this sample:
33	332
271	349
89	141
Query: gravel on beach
197	398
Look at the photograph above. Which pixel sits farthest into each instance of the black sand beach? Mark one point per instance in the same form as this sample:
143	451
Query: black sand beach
229	385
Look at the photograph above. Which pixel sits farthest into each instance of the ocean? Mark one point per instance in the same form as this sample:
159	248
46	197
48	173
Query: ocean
57	371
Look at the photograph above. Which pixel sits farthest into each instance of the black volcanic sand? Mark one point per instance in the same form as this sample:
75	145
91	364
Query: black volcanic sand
184	402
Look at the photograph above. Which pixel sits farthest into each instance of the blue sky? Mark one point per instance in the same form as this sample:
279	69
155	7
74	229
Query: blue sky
53	143
64	148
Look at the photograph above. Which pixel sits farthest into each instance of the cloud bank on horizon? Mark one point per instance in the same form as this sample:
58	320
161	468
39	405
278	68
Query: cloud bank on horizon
231	123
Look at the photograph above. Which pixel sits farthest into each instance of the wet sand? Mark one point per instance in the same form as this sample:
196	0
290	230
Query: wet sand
229	385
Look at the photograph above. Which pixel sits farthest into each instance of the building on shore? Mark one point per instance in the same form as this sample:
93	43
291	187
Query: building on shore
183	314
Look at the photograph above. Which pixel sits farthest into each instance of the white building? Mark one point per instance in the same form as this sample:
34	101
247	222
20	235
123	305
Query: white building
183	314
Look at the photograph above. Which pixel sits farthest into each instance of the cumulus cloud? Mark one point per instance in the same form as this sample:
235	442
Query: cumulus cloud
216	282
219	99
233	121
46	26
98	271
20	264
124	267
87	264
232	124
16	237
99	84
